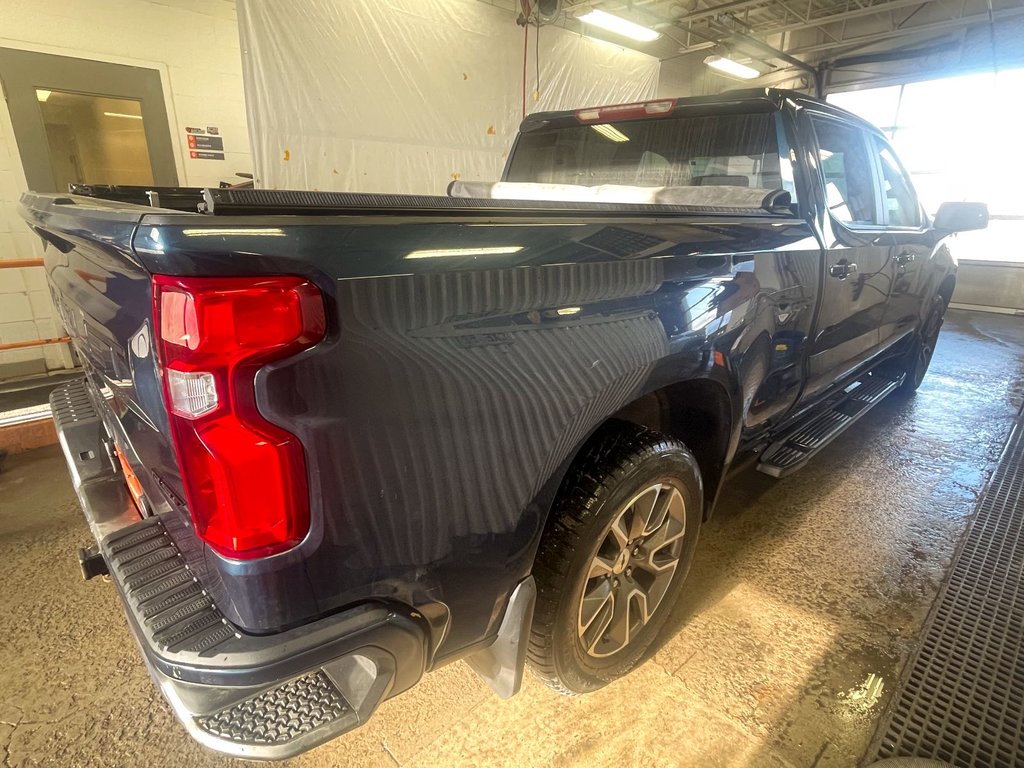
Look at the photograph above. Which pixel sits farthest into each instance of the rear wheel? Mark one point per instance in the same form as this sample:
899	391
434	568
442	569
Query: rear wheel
614	557
919	356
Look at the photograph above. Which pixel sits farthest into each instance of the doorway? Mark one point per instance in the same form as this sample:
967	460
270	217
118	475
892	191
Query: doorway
87	122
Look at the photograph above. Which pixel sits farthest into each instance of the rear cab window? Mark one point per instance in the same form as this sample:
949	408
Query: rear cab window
722	150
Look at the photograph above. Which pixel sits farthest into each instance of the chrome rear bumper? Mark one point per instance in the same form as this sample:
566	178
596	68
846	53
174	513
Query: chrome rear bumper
253	696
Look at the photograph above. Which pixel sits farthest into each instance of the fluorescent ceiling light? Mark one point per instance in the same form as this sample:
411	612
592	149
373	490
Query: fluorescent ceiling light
42	94
619	26
732	68
610	132
441	252
122	114
566	311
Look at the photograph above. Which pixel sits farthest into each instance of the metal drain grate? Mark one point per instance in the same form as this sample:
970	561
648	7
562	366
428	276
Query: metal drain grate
962	697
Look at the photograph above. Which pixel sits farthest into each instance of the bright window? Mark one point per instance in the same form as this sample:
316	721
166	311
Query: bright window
960	139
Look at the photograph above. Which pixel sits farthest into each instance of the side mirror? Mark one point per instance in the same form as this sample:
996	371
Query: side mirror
961	217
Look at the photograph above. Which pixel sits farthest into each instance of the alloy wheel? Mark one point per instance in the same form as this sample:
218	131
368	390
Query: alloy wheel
632	569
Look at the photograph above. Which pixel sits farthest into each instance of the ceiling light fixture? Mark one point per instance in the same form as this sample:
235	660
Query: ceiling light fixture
42	94
610	132
619	26
732	68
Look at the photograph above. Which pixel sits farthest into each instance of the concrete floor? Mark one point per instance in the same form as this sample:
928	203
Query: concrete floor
805	599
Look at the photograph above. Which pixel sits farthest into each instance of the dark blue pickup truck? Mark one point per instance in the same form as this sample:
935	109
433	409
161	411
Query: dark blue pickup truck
328	442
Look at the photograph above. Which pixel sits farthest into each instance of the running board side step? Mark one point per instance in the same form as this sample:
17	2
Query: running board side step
794	449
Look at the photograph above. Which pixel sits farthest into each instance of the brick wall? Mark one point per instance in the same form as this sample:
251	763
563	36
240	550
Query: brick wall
194	46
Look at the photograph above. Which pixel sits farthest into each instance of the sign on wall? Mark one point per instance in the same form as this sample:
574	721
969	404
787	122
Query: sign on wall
204	143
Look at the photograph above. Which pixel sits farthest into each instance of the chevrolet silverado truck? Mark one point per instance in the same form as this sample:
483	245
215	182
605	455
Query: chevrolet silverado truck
328	442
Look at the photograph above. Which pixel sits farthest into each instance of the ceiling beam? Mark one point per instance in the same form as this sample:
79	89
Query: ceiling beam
938	26
716	10
842	16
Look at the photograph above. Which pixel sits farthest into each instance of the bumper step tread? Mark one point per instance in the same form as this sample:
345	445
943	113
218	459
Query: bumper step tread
152	591
170	604
71	403
282	714
170	598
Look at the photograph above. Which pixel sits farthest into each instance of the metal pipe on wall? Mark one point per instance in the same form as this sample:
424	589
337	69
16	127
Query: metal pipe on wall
34	343
14	264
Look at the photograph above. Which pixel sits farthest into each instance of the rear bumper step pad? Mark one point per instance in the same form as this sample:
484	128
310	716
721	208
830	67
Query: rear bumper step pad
255	696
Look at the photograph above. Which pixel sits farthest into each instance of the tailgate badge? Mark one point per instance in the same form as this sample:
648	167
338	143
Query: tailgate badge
139	343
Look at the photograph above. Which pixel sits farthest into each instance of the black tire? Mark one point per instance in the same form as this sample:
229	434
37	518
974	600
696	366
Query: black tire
623	464
919	356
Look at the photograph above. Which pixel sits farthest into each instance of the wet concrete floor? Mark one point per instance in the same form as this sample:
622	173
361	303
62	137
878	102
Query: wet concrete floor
805	599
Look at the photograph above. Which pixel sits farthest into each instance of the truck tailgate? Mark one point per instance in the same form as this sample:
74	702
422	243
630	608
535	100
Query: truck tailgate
104	297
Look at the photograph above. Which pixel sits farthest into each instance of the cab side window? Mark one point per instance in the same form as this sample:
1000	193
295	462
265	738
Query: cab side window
846	166
901	206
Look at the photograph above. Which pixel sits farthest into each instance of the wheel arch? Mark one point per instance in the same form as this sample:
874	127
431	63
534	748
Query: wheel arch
698	412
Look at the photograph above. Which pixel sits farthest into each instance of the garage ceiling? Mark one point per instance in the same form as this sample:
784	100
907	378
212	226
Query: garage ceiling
782	36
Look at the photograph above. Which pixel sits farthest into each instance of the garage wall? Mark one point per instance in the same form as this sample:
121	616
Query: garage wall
406	95
194	46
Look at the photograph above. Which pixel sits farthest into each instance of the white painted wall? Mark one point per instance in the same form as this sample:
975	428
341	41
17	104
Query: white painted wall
192	43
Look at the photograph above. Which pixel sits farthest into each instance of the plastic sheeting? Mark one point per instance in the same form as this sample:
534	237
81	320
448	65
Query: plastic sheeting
407	95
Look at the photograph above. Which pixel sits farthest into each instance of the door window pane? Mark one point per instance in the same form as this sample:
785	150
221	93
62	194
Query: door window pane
94	139
901	205
846	166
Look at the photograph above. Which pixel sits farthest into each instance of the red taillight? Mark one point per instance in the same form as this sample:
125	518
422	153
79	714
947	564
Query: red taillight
245	478
633	111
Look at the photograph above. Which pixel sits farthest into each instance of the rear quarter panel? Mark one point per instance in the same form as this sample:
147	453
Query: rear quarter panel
454	387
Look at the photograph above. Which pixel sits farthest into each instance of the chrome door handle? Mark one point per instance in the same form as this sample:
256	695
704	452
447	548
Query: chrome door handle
842	269
905	258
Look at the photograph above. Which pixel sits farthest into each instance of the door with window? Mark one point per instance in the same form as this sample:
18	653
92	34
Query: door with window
909	248
78	121
857	277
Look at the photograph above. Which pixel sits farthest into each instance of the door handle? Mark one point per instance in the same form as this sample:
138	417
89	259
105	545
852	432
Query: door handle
842	269
905	258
